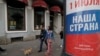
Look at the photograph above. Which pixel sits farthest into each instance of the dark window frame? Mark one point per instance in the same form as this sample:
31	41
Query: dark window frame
39	19
14	23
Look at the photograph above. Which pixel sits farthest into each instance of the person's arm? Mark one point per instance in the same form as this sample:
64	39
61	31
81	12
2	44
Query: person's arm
53	35
41	34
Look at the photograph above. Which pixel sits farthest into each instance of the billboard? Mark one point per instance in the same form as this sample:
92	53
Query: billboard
82	28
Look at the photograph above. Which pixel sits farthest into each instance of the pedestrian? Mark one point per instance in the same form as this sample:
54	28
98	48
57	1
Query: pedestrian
2	50
43	38
50	38
61	37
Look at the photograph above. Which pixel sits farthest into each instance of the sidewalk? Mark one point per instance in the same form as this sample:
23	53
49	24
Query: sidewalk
16	48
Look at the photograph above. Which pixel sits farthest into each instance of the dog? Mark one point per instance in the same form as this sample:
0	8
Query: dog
27	51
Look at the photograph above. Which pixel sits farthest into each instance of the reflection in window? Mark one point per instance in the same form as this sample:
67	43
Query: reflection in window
38	19
16	19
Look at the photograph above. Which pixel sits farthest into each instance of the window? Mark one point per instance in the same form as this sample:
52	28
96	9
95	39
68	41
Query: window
38	19
16	19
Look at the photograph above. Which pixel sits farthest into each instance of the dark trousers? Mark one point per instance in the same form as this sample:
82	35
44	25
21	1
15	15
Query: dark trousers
41	43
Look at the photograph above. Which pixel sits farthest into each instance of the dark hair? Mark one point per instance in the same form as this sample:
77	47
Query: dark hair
50	28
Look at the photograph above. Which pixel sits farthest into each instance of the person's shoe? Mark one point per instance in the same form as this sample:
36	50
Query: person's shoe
61	46
40	51
3	50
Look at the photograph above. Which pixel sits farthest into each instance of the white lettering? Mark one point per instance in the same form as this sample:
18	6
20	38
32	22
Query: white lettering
71	28
76	25
96	26
80	27
86	28
87	18
86	22
93	18
84	18
91	26
80	19
74	19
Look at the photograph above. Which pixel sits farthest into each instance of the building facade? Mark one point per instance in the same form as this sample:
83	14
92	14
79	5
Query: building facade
22	19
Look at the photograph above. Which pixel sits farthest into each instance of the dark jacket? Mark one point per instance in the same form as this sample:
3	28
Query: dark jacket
61	35
43	34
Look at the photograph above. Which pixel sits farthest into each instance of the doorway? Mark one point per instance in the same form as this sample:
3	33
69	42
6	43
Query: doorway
52	21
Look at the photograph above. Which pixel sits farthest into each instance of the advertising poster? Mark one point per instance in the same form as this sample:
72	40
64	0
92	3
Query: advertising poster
82	28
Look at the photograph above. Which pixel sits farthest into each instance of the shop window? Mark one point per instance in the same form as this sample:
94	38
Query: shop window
16	19
39	19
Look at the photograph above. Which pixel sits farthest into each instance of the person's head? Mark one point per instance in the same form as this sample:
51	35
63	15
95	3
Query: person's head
50	28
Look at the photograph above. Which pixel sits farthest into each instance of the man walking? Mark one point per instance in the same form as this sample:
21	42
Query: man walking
61	37
43	38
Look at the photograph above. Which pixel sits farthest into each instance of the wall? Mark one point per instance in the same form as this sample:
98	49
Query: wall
2	23
47	18
57	22
1	1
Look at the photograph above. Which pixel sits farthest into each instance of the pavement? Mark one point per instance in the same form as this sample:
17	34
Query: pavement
17	48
